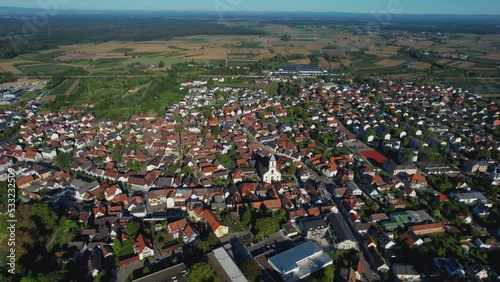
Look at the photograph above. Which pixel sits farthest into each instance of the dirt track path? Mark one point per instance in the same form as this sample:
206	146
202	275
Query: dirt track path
73	87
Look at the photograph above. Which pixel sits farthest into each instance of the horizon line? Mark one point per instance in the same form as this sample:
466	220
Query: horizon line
251	11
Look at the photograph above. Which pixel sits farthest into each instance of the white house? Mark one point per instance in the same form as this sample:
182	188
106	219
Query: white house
354	188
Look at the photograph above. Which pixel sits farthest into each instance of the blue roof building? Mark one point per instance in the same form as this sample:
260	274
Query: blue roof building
300	261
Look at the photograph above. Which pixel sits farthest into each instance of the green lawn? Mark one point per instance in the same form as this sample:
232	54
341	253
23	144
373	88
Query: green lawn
127	248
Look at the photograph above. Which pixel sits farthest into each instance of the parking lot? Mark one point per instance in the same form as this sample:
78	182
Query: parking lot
277	242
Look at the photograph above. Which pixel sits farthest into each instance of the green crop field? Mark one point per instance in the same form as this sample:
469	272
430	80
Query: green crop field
81	63
168	61
42	56
122	50
62	87
106	63
50	69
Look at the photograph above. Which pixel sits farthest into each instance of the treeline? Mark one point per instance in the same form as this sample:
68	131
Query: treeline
413	23
18	37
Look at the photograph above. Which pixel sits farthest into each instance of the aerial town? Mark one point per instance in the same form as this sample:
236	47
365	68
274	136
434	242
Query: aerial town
371	176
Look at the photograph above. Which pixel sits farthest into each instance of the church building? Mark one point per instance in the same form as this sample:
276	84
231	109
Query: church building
272	174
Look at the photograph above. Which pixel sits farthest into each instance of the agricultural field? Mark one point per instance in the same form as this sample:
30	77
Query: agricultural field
330	48
383	51
8	66
420	66
50	69
112	98
63	88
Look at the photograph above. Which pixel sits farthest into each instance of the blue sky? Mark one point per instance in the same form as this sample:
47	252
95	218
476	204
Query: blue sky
357	6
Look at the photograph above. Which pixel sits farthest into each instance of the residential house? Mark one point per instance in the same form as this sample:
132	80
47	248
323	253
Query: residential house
411	239
489	243
474	166
339	233
215	224
417	181
395	169
143	247
313	228
354	188
451	266
24	181
468	198
385	241
376	217
175	228
405	272
428	228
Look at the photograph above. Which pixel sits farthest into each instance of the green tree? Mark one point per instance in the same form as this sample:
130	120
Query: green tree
436	213
202	245
4	186
215	130
133	227
49	277
187	170
27	233
225	160
292	168
117	156
161	64
246	217
202	272
266	226
179	128
117	246
63	160
251	269
45	218
212	240
286	37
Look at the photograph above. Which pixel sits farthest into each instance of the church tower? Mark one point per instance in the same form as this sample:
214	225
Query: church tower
272	162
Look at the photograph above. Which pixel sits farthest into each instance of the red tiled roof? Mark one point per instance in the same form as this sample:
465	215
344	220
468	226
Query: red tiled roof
212	220
177	226
140	244
373	155
128	260
24	180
